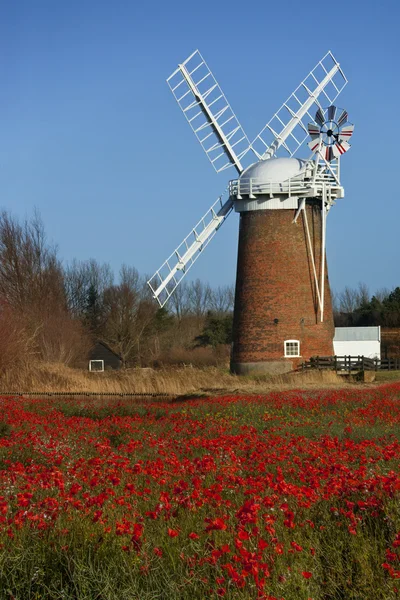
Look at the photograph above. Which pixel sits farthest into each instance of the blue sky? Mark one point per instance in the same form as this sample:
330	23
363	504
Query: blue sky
91	136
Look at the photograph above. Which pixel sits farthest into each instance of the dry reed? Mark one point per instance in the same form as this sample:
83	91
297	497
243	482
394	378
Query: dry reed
54	377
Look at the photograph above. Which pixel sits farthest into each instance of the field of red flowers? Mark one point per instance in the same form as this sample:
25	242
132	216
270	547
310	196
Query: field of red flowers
291	495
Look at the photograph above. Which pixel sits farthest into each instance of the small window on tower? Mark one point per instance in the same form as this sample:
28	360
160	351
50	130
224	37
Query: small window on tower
292	348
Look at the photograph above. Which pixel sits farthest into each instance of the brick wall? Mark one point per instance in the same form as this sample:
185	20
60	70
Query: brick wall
275	282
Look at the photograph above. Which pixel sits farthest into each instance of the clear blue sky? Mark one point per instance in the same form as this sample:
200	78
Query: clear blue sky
91	135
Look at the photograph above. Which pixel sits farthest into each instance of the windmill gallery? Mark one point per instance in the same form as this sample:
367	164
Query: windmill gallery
283	310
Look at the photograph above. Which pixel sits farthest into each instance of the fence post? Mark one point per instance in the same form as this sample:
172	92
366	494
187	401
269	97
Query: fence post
362	363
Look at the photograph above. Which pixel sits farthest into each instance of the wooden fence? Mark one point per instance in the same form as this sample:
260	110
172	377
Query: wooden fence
352	363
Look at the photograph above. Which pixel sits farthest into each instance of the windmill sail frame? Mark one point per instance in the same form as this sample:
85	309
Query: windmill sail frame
225	143
209	113
287	129
167	278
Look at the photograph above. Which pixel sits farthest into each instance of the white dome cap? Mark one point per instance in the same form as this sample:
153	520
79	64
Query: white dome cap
274	169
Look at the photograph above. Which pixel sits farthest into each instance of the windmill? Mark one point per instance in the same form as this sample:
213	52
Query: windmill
283	310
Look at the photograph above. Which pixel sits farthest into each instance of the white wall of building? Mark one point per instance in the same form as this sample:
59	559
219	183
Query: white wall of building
367	348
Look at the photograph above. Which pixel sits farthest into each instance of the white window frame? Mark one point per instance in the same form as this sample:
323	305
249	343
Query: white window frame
96	370
291	342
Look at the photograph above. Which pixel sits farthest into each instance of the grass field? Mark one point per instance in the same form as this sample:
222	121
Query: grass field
383	376
292	495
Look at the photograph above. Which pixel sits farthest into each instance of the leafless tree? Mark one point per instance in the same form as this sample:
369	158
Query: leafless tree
348	300
199	295
82	276
363	295
32	293
64	340
221	299
31	277
179	302
17	345
382	294
335	302
128	313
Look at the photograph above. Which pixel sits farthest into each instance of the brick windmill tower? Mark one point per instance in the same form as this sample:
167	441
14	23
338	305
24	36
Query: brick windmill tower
283	310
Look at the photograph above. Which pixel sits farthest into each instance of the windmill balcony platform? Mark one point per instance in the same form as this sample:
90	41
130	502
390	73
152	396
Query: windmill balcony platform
294	187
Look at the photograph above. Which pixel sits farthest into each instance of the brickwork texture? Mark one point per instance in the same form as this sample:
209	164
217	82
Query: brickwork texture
275	298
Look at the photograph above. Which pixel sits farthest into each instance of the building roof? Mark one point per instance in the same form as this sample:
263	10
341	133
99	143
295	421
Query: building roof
357	334
101	343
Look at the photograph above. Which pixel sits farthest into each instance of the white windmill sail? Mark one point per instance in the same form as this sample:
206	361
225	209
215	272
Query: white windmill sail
166	279
208	113
225	144
288	127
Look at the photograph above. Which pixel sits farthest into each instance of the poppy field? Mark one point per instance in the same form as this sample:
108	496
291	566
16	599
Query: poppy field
286	496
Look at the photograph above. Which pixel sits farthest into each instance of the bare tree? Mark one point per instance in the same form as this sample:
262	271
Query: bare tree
31	278
221	299
335	302
64	340
32	292
82	278
363	295
179	302
128	313
382	294
17	344
348	300
199	295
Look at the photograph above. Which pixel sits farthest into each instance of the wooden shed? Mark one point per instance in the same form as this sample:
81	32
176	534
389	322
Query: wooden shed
102	358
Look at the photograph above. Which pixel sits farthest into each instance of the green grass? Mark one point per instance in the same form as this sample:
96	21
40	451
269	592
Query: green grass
383	376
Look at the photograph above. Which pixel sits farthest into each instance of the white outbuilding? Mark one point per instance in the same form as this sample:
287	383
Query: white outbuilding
357	341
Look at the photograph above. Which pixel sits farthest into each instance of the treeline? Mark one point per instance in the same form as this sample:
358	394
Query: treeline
357	307
55	312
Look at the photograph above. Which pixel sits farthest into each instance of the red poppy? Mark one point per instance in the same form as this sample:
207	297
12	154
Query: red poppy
172	532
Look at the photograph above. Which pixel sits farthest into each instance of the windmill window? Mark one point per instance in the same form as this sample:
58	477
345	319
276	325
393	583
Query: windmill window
96	366
292	348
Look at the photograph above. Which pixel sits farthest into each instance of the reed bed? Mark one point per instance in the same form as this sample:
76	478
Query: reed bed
52	377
